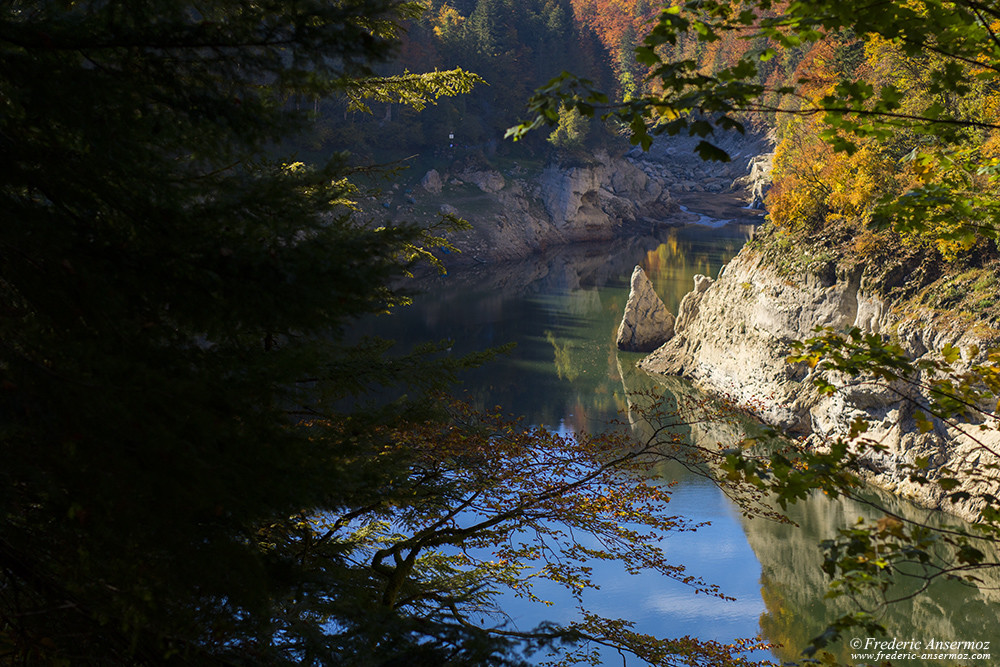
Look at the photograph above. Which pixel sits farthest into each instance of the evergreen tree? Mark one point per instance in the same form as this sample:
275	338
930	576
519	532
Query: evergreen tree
198	465
174	305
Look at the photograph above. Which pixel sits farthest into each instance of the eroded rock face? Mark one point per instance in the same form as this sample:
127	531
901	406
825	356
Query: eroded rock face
585	200
757	180
647	323
579	202
732	338
569	195
732	334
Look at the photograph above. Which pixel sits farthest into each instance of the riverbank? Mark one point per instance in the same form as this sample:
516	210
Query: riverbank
732	337
517	209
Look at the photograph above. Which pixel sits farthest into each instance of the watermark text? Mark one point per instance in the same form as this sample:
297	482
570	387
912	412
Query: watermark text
874	649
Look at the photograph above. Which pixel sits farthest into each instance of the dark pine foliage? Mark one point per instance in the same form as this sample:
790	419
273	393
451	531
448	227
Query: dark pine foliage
172	310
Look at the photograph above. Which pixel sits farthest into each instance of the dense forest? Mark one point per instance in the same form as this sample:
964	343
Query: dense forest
198	463
514	46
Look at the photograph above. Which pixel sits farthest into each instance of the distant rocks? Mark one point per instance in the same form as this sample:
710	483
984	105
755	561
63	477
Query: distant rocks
590	201
676	164
570	196
486	180
432	182
647	324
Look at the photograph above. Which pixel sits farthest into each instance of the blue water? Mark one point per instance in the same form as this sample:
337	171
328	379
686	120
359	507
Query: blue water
562	310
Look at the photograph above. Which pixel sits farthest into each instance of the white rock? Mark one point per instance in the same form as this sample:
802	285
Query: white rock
732	336
432	182
647	323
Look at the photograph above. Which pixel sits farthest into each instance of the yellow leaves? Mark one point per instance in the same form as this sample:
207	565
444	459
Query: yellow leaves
813	185
924	170
667	113
447	24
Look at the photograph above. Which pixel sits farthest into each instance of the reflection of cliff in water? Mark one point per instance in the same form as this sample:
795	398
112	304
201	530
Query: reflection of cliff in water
692	429
563	309
793	585
707	422
669	254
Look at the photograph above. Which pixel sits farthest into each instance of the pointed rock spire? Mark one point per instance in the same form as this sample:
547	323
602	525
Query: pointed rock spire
647	324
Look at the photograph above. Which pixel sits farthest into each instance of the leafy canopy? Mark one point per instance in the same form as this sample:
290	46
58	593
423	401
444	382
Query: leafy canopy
918	80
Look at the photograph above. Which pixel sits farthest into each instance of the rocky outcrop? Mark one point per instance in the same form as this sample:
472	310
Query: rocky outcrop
757	180
647	323
518	215
432	182
732	335
487	180
570	197
732	338
595	197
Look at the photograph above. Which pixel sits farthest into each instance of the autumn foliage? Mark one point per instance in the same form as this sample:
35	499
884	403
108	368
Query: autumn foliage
488	505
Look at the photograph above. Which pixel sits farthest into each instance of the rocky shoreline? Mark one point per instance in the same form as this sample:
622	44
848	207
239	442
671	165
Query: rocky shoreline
516	211
731	337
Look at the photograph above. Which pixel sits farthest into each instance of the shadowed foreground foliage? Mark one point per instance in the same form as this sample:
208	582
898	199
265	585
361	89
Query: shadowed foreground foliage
199	466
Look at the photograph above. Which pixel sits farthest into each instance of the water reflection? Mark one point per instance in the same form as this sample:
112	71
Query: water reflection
562	311
793	586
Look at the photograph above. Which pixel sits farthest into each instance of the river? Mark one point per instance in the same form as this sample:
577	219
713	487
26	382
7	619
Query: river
562	311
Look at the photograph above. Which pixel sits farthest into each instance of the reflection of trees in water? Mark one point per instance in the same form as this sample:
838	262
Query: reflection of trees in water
793	585
565	368
672	265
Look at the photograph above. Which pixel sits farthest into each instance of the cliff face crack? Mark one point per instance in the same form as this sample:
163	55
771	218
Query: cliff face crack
851	296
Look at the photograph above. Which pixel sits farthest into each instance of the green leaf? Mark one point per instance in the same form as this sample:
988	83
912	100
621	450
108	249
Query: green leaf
709	152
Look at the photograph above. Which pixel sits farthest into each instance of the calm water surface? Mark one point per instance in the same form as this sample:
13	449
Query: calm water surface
562	310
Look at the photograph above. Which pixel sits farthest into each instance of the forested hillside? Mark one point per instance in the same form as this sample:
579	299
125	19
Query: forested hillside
515	46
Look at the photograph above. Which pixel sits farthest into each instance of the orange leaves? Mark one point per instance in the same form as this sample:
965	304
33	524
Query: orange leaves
814	185
484	503
615	20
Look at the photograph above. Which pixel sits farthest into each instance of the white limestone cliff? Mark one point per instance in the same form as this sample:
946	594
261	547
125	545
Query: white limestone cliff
732	338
